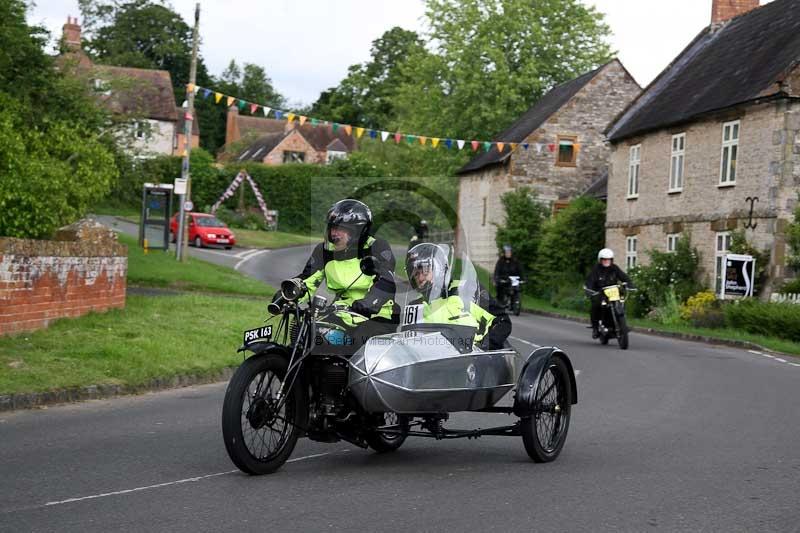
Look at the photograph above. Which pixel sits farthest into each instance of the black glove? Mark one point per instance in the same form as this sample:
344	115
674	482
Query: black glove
361	308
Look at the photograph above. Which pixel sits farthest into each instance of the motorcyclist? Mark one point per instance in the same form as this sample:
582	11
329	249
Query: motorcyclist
420	232
507	265
604	273
336	261
428	270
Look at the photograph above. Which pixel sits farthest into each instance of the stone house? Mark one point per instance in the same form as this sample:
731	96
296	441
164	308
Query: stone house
713	144
145	94
561	153
276	142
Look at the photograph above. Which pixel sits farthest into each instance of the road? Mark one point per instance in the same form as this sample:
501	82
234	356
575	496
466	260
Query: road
667	436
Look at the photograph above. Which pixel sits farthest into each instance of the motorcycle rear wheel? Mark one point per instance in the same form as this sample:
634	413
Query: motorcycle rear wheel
258	437
545	432
384	443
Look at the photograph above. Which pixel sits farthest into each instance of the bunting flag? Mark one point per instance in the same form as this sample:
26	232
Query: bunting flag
398	137
189	87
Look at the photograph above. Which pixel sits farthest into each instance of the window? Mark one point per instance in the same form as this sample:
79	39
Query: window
102	86
294	157
631	244
676	163
138	129
333	155
672	241
722	248
730	153
567	155
635	159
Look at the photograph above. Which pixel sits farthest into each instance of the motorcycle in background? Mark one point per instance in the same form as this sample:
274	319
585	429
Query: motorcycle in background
612	322
512	286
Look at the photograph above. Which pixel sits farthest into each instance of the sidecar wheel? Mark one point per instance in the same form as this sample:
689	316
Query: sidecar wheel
545	432
258	436
383	443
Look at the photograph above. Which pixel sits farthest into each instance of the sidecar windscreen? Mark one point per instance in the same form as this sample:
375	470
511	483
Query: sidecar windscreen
460	337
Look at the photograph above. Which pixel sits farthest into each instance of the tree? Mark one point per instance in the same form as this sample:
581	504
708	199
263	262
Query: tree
364	96
56	154
522	229
491	60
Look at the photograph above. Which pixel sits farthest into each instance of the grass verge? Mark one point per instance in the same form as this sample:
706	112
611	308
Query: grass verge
160	269
151	338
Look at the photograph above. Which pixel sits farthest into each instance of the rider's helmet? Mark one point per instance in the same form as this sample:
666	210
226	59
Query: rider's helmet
353	216
507	249
605	253
428	270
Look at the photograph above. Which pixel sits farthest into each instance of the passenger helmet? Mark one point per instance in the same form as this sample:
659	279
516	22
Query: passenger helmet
428	257
352	215
605	253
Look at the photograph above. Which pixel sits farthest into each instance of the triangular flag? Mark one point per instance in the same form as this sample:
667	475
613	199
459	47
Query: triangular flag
314	122
410	138
231	99
448	143
253	108
185	153
217	97
196	89
303	120
551	147
397	138
514	146
241	104
460	144
500	147
384	135
266	110
290	117
278	114
206	94
189	87
359	132
539	147
335	127
422	140
348	129
525	145
373	134
577	147
475	145
487	145
435	142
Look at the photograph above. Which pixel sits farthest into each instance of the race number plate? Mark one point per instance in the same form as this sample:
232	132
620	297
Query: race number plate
258	334
612	293
412	314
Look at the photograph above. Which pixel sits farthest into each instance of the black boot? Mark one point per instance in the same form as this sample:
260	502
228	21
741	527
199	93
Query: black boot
595	332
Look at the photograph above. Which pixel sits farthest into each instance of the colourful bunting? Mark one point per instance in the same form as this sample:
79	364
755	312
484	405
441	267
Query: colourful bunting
373	134
448	143
500	147
278	114
217	97
206	94
460	144
189	87
475	145
359	132
303	119
241	104
514	146
435	142
348	129
422	140
398	137
266	110
577	147
384	136
290	117
551	147
487	145
253	108
525	145
231	99
410	138
314	122
335	127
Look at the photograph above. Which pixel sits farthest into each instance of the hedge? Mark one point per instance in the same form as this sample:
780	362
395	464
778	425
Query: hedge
771	319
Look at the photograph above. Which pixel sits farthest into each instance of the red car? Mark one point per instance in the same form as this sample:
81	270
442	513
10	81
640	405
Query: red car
204	230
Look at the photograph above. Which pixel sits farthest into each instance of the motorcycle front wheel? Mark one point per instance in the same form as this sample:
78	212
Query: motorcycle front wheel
516	306
259	434
622	332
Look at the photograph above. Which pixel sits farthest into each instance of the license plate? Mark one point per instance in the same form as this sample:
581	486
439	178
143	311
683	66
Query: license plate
224	241
612	293
257	334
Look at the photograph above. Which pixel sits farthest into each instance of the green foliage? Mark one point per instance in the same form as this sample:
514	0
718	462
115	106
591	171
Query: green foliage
668	271
402	160
780	320
791	287
570	242
703	311
669	312
491	60
54	162
522	229
793	240
740	245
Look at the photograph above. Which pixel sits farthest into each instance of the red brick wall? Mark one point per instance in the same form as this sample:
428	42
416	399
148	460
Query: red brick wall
722	10
294	143
41	281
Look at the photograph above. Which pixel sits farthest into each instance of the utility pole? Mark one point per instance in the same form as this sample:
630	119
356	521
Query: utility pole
187	135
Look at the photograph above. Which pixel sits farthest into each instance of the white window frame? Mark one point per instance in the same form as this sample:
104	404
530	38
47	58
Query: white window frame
677	163
631	252
731	132
672	242
634	170
333	155
723	237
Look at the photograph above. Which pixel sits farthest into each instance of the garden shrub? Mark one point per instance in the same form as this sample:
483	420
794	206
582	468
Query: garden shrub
740	245
669	312
524	217
791	287
703	311
772	319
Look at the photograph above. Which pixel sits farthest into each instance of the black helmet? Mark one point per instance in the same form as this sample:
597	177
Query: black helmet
428	257
352	215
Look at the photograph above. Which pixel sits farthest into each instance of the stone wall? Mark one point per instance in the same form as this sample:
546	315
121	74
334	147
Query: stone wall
84	269
479	223
159	139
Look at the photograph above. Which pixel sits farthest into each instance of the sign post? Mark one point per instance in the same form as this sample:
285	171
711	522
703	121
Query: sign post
739	273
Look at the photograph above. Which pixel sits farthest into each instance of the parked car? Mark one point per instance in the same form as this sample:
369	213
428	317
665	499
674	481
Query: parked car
204	230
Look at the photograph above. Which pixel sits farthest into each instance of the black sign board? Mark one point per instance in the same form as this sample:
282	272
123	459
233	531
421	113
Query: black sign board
739	276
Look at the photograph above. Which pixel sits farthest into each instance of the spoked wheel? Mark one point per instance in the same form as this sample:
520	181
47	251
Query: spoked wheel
516	306
622	332
388	442
603	339
544	433
259	434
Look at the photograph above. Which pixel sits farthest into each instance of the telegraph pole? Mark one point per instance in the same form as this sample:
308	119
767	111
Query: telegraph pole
185	199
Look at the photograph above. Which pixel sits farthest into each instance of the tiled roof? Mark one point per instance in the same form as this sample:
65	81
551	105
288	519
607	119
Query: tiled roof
138	91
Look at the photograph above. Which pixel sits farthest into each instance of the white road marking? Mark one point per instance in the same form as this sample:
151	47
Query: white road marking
247	258
166	484
795	364
245	252
755	352
781	360
767	355
524	341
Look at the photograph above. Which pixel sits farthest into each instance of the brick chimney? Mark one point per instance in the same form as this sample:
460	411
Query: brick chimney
232	132
722	10
71	35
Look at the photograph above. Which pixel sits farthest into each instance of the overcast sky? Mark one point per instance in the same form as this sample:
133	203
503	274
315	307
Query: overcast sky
307	45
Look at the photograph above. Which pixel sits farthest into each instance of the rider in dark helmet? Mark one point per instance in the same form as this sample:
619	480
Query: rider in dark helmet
507	265
336	261
429	273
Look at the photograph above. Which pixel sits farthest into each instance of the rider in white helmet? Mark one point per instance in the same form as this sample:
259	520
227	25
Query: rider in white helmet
603	274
